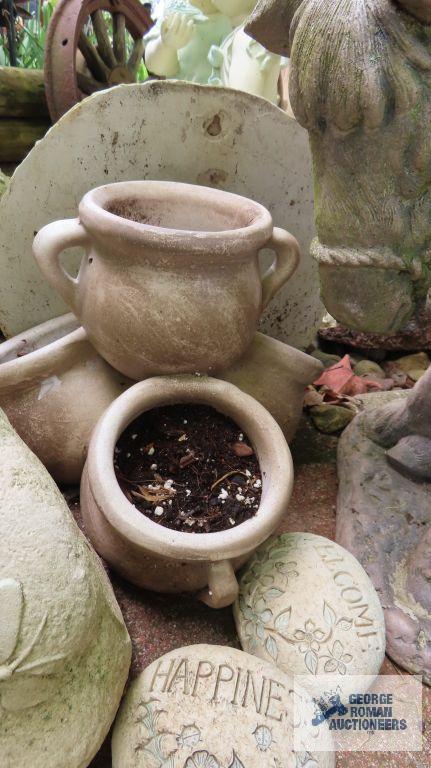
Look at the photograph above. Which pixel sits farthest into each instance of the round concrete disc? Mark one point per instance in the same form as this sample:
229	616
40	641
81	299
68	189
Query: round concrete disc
161	130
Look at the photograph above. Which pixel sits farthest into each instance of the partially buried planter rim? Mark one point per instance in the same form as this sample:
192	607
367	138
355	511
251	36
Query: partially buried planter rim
49	345
266	436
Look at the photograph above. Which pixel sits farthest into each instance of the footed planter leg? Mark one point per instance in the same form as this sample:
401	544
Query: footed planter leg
222	587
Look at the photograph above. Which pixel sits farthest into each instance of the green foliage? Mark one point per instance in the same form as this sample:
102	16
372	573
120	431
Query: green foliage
30	38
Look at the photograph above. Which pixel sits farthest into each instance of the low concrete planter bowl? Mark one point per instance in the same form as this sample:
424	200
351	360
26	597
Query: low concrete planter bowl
161	559
53	388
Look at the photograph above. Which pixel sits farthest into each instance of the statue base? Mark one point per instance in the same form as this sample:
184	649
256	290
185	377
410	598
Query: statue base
416	335
384	519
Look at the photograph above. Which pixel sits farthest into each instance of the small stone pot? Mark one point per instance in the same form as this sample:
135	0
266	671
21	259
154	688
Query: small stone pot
170	282
276	375
155	557
53	388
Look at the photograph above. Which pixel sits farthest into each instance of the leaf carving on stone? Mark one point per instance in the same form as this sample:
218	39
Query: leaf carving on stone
329	614
311	662
236	762
283	620
11	608
38	684
271	647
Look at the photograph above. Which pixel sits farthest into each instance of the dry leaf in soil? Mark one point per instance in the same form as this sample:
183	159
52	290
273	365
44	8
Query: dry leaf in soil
340	379
154	495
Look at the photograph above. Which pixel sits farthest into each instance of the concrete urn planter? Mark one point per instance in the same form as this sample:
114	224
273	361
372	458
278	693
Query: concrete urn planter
53	388
170	282
64	648
165	560
208	706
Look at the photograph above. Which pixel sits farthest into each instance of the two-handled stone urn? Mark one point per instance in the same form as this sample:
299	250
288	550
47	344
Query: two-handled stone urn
170	282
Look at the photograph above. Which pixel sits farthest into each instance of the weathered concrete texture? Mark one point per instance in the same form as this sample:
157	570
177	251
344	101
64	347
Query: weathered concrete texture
320	635
217	137
204	723
154	245
64	649
382	517
360	83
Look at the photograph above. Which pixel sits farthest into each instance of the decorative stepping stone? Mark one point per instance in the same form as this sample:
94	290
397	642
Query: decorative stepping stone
306	604
208	706
161	130
64	649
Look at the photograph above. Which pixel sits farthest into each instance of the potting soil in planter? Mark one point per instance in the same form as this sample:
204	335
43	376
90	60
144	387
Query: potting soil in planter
189	468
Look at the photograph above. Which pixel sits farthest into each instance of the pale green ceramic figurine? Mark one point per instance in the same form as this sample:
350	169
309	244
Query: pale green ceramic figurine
205	42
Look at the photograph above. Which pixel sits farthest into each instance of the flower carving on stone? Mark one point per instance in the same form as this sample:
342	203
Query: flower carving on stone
320	645
338	659
202	759
310	637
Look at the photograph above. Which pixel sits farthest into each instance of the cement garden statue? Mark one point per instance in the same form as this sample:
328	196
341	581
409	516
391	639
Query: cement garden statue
360	84
204	42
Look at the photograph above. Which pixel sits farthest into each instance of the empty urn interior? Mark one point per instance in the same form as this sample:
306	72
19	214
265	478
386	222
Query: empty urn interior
198	215
37	338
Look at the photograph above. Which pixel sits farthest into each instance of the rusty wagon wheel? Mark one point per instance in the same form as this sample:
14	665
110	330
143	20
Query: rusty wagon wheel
92	45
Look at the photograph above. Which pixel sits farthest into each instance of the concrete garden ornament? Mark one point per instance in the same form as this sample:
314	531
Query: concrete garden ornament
204	42
208	706
384	516
361	84
338	630
64	648
172	561
170	282
53	388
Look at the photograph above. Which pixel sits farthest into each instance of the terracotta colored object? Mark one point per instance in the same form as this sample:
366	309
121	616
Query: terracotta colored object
170	282
168	561
68	44
53	388
356	91
64	649
276	375
384	516
338	631
208	706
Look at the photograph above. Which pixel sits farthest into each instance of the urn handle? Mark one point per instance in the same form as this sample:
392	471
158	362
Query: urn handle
47	247
222	587
287	259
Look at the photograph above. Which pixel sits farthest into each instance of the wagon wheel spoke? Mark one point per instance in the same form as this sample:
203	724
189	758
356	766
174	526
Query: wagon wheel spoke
89	85
119	26
103	39
94	62
136	55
